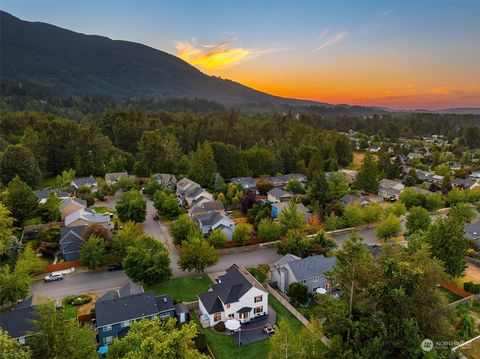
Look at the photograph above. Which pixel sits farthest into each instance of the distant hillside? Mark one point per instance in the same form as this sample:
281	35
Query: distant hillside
78	64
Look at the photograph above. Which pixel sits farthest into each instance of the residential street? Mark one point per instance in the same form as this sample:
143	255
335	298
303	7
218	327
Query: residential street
80	283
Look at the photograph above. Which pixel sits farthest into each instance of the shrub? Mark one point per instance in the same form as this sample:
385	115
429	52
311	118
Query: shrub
219	327
77	299
471	287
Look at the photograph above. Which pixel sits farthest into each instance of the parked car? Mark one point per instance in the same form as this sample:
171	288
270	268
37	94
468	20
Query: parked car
155	217
115	266
269	329
53	277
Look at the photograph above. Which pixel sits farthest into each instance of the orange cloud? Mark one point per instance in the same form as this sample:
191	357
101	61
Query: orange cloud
219	55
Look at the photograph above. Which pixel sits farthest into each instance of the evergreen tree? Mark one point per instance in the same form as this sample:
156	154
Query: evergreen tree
21	201
203	166
367	176
18	160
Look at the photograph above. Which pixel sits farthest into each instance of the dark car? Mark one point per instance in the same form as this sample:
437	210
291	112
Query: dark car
115	266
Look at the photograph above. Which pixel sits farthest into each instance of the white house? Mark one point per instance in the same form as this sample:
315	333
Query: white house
86	216
237	295
214	219
89	182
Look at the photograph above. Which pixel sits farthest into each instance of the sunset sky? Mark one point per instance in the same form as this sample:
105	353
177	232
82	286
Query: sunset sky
400	54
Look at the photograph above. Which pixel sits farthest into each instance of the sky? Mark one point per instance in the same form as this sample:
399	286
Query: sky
407	54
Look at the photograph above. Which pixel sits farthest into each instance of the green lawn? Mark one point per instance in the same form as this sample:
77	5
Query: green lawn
258	274
69	312
183	289
224	347
48	182
103	210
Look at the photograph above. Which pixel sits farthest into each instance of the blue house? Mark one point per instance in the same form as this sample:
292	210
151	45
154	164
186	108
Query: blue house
116	310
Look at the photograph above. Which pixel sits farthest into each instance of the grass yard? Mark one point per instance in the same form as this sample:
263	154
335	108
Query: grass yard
358	159
224	347
258	274
69	312
103	210
472	350
48	182
183	289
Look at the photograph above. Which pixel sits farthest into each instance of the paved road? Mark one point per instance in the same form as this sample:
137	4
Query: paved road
247	258
79	283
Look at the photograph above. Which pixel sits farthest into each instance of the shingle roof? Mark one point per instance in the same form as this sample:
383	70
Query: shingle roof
87	215
18	322
71	238
210	218
44	193
115	176
278	193
313	266
128	289
164	303
287	258
231	287
166	178
348	198
67	201
79	182
134	306
244	181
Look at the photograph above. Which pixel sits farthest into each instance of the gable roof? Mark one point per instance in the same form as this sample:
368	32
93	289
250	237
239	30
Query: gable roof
387	184
348	198
140	305
77	201
244	181
300	207
44	193
287	258
87	215
211	218
71	238
115	176
309	267
18	322
79	182
231	287
166	178
128	289
279	193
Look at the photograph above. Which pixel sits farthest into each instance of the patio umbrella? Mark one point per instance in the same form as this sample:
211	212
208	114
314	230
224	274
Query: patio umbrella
320	291
103	350
232	324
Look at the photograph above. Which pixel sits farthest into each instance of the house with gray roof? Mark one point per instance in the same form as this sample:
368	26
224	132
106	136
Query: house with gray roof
309	271
276	195
117	310
71	240
472	230
245	182
167	179
86	216
205	208
281	181
389	189
212	220
237	295
43	194
89	182
18	322
114	177
465	183
277	208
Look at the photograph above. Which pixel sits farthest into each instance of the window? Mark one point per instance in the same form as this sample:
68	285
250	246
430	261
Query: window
327	286
125	324
217	317
258	310
244	315
107	328
231	316
258	298
108	340
227	306
164	315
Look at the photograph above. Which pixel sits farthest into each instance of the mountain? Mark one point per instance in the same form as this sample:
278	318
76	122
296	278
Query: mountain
78	64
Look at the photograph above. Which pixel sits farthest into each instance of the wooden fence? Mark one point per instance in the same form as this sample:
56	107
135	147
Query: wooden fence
464	300
293	310
62	266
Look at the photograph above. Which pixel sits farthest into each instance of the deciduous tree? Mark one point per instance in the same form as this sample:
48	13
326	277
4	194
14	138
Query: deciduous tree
196	254
132	206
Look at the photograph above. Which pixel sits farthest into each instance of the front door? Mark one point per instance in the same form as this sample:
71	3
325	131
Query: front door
244	316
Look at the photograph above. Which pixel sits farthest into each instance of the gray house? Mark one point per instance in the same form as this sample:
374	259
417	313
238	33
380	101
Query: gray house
43	194
309	271
71	239
213	220
90	182
166	179
116	310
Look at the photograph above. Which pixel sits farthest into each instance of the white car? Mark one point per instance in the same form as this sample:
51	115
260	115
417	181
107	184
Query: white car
53	277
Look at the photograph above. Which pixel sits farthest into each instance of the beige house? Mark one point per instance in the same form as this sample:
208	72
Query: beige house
70	205
86	216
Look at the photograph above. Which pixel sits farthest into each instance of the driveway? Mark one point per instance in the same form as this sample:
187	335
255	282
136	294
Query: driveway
247	258
79	283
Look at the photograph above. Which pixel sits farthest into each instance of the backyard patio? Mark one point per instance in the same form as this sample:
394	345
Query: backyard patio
252	331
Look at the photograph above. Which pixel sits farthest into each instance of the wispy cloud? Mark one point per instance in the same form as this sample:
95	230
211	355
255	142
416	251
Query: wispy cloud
328	38
219	55
384	13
